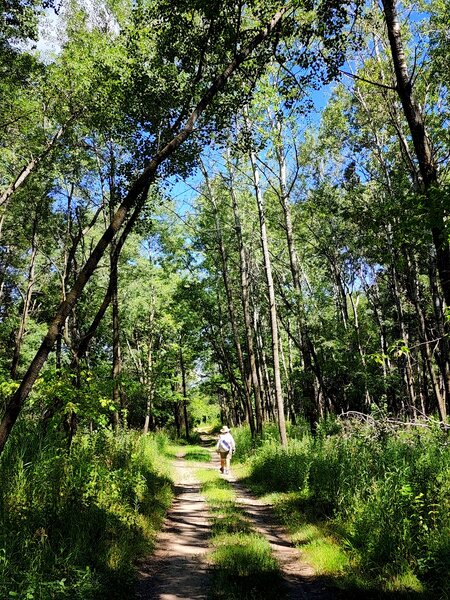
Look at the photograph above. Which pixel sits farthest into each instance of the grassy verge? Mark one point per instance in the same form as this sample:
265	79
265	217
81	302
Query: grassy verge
369	510
192	453
243	565
72	524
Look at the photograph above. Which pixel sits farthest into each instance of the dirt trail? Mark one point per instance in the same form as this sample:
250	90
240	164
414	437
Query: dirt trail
178	568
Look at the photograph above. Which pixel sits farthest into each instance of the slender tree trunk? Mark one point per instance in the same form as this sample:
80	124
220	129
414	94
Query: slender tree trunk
2	221
116	367
230	303
373	296
87	337
408	369
272	302
26	304
149	386
267	394
354	305
176	415
310	369
245	297
28	169
427	355
184	391
444	358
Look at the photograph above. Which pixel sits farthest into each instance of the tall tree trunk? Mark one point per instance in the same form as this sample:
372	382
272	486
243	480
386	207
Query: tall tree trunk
245	297
149	386
424	153
116	367
311	369
426	341
184	392
444	357
230	303
272	301
408	369
267	393
354	305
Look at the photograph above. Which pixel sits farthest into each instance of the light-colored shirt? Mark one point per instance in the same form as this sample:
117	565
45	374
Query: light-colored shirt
228	438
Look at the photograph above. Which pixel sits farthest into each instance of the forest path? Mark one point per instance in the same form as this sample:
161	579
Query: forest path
178	569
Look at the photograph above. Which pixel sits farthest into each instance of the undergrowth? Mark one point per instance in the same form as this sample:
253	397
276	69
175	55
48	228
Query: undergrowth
377	502
71	524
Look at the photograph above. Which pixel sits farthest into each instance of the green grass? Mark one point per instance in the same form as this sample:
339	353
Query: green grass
193	453
243	565
370	511
197	454
72	524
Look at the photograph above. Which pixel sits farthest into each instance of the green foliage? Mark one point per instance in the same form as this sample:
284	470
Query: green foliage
72	524
384	494
245	443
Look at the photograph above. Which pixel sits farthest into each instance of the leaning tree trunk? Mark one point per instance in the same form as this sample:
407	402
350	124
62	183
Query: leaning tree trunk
31	167
423	150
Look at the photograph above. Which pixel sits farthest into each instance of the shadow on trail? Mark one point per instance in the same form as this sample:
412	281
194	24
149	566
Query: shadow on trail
177	570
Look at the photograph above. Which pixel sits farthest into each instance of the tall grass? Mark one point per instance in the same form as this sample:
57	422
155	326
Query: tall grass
385	494
71	524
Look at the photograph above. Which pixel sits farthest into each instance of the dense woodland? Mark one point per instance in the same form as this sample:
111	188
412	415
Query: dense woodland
307	273
222	211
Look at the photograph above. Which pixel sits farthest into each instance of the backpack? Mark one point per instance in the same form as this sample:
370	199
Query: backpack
223	445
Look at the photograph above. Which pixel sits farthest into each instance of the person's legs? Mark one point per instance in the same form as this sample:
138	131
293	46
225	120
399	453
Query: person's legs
227	462
222	462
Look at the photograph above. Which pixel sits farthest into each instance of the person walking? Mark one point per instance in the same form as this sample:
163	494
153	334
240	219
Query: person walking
225	446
